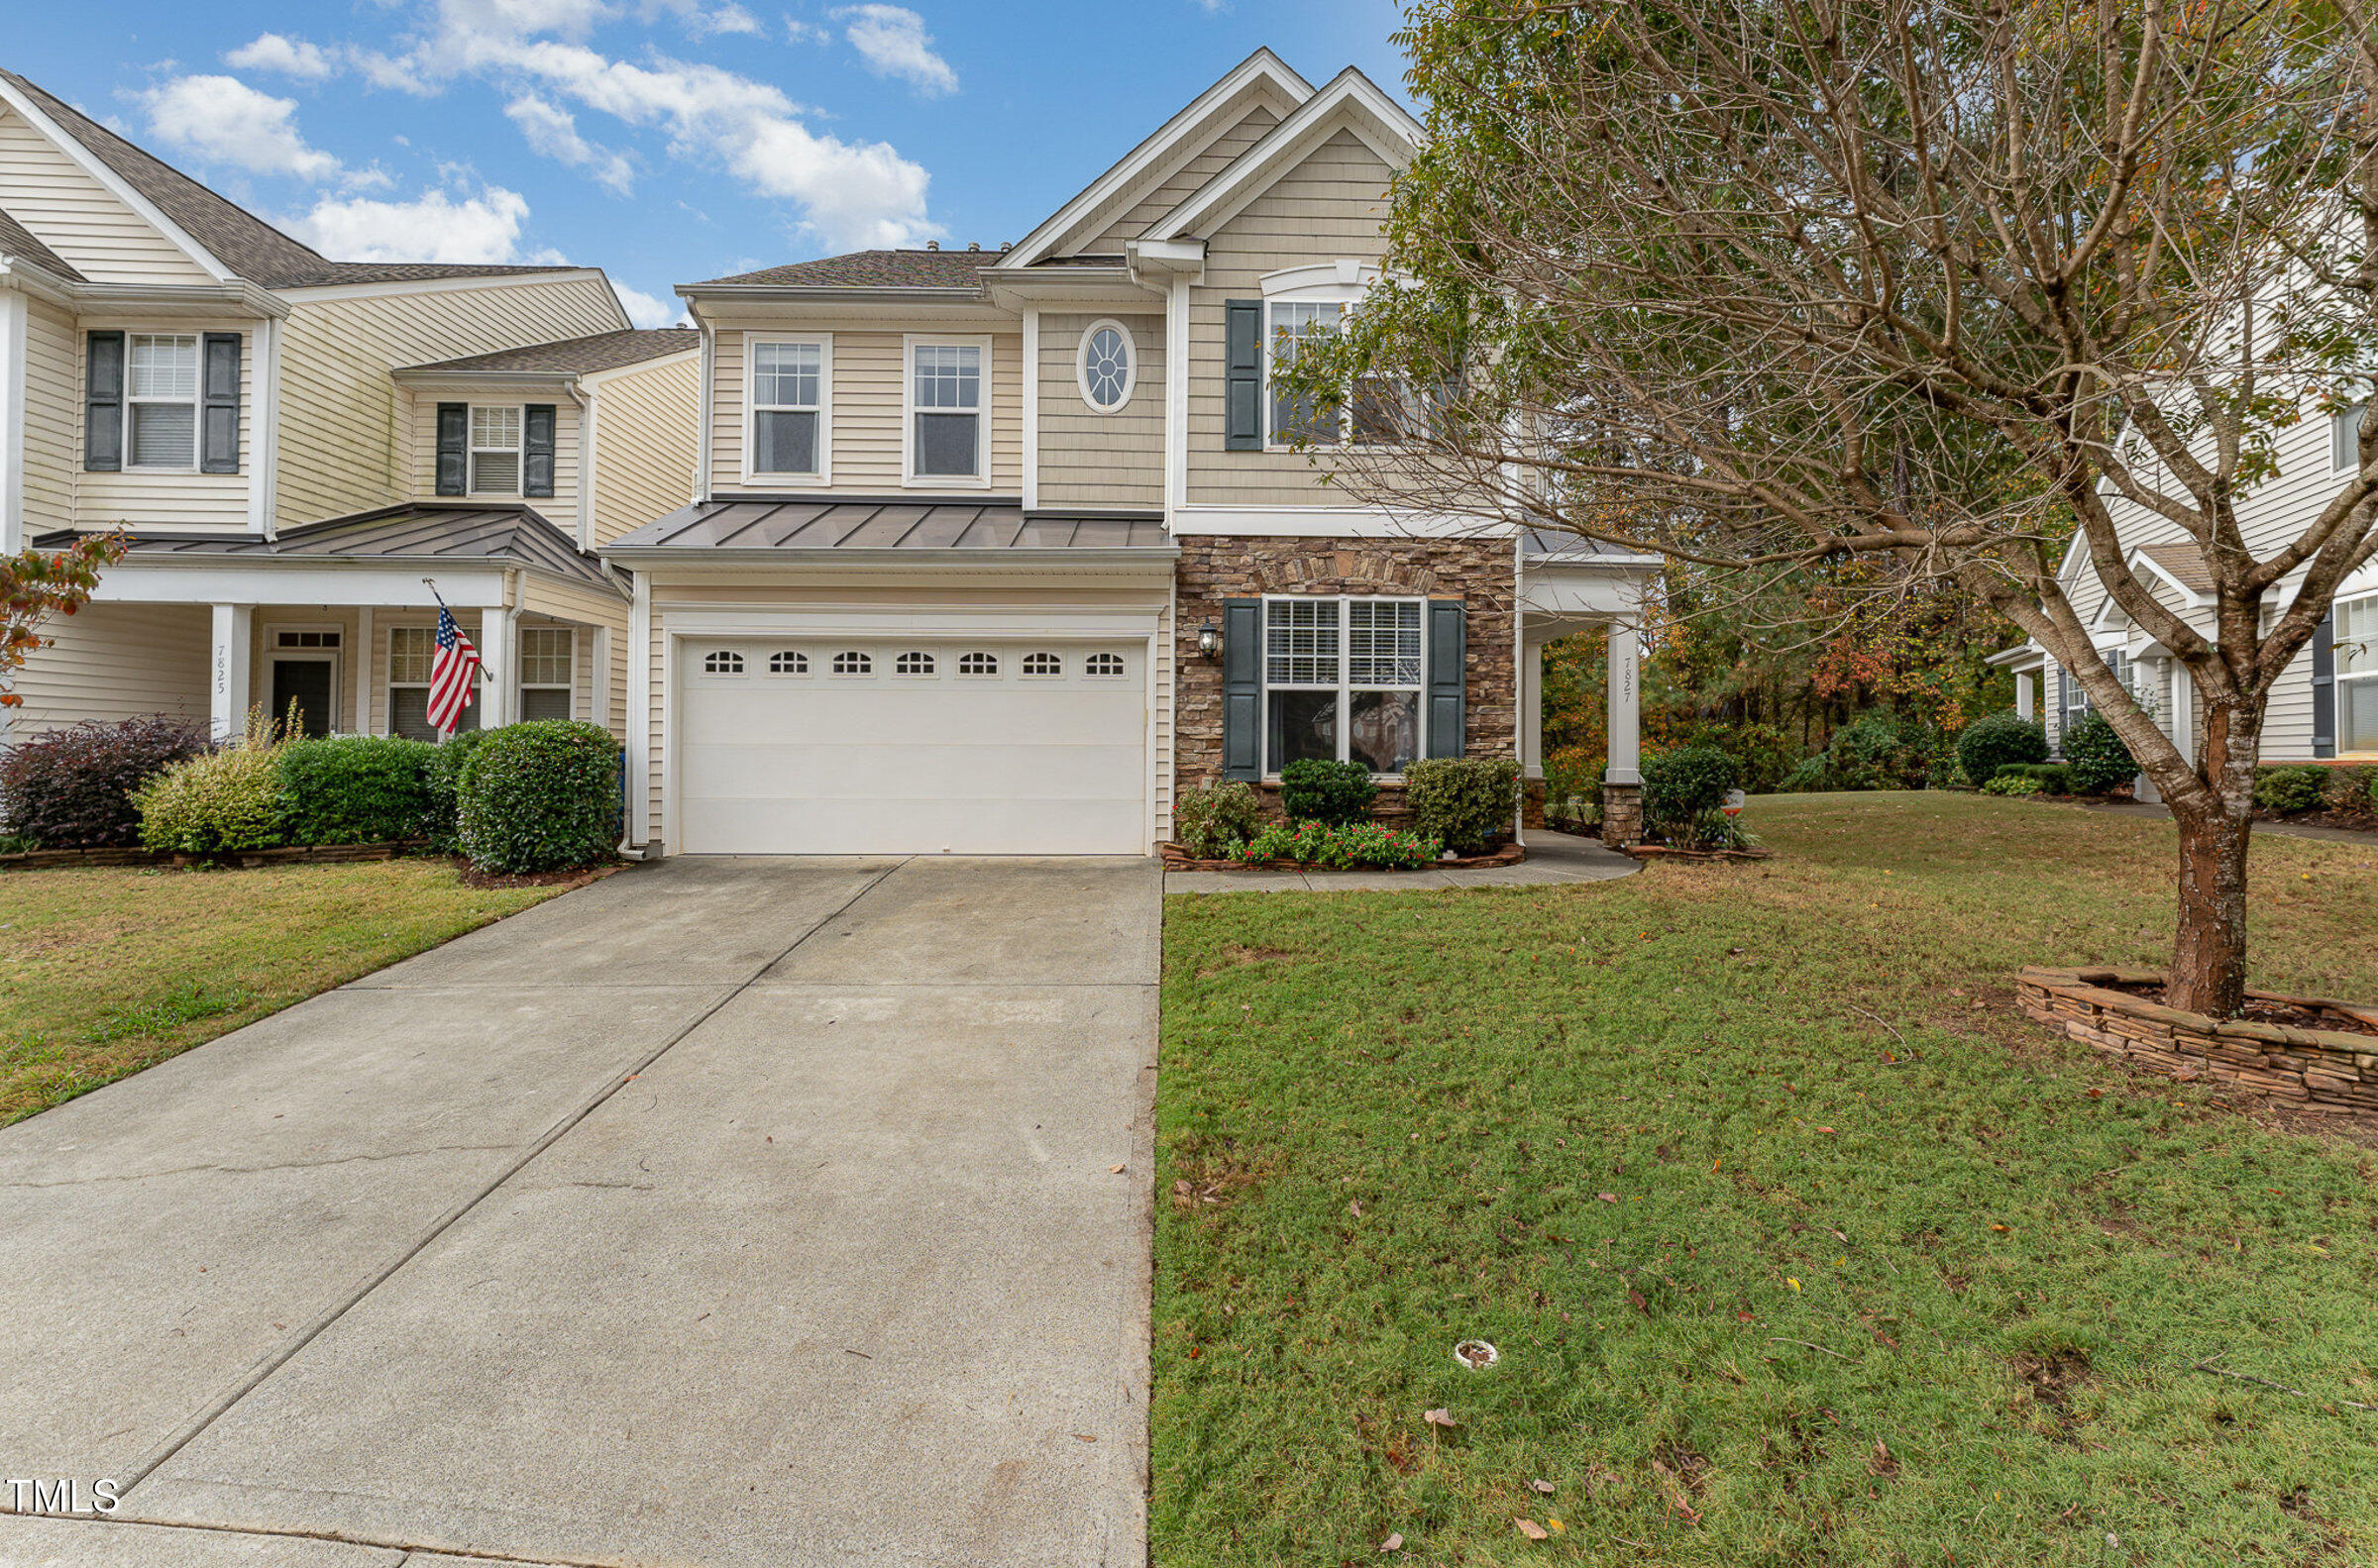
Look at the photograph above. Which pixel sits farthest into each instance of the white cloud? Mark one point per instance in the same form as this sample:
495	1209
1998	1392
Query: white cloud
290	56
648	310
799	31
891	39
729	18
553	130
221	120
484	228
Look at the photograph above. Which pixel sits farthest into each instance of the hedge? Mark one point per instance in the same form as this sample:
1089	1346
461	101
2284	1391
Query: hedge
2096	757
1467	803
353	789
213	804
73	788
1997	739
1680	786
540	797
1313	790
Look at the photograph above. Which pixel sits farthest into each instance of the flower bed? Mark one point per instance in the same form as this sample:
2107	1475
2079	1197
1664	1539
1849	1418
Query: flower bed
1178	859
2330	1068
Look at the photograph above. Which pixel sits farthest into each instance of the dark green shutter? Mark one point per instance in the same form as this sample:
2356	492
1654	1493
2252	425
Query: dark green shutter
1448	662
1242	688
2324	688
219	403
104	402
454	449
1243	375
536	467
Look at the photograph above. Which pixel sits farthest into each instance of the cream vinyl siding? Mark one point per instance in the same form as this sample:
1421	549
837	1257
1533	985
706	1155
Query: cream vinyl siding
647	427
114	662
53	417
1192	177
168	502
1327	208
1090	459
346	438
560	508
546	602
868	410
84	222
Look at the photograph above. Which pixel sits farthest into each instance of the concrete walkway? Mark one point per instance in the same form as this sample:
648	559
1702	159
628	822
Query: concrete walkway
725	1212
1552	858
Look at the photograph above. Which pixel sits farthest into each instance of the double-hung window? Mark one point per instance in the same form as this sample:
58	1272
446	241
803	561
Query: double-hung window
412	653
495	437
161	393
1294	418
788	381
2344	438
2357	675
1342	681
548	660
946	437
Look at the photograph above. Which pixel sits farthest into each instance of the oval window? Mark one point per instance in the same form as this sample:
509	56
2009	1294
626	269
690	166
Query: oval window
1106	367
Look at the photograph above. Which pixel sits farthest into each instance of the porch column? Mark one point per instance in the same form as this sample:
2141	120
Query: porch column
232	689
1622	780
2026	694
498	650
359	717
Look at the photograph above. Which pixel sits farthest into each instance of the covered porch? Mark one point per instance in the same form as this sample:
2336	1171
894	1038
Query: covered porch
1568	584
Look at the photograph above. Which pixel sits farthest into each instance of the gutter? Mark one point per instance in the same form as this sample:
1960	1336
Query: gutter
238	298
270	560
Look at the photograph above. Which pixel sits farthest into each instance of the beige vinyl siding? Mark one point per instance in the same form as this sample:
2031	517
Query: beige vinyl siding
647	426
116	662
179	500
869	412
560	508
53	417
1094	459
90	226
547	602
1327	208
346	438
1187	181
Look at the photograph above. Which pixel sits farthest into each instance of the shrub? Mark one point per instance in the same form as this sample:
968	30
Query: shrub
1995	740
1814	777
2292	790
2011	783
442	789
2349	788
1573	774
2052	777
1339	846
1323	792
2095	758
73	788
540	797
1680	786
1881	752
214	803
1467	803
1208	822
353	789
1573	816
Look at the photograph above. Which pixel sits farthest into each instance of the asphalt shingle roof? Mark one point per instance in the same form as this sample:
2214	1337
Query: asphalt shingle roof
2185	562
17	240
826	523
602	351
875	270
461	533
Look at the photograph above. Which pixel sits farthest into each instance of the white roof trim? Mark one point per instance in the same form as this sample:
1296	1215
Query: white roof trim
1262	67
89	162
2140	557
1351	101
390	287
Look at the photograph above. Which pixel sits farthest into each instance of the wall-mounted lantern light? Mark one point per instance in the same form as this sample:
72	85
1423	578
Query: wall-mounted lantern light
1209	641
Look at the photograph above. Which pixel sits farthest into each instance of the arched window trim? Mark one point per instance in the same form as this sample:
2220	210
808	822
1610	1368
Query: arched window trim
1043	665
978	666
788	662
917	665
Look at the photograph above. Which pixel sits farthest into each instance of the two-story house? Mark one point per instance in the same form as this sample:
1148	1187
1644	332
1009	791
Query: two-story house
996	551
308	454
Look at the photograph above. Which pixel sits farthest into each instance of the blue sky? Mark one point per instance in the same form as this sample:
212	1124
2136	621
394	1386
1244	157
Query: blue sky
666	141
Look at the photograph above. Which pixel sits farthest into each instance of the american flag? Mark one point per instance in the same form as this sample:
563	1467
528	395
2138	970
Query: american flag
452	674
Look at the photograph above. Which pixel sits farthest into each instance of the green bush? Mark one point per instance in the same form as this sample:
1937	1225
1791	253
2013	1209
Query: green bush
1339	846
210	804
2350	787
442	789
1681	785
2011	783
1209	821
2095	758
1762	754
540	797
353	789
1814	777
2289	790
1572	772
1467	803
1997	739
1323	791
1879	750
2052	777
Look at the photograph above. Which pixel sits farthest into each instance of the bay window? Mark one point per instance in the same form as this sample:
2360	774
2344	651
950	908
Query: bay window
1342	681
946	440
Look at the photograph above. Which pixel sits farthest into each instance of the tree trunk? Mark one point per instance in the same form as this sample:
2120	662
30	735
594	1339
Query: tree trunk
2209	958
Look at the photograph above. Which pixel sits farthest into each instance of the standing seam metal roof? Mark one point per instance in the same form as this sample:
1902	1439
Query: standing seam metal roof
797	523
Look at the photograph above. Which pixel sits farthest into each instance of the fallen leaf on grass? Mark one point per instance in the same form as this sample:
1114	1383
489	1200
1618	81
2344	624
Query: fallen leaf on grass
1607	1197
1439	1418
1393	1543
1356	1208
1545	1487
1533	1531
1881	1462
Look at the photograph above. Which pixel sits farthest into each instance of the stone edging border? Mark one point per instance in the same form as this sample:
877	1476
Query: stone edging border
1178	859
2319	1070
1664	852
41	859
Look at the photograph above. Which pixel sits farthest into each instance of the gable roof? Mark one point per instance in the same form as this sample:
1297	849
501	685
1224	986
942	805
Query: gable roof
2184	564
600	351
18	241
1351	101
870	270
235	237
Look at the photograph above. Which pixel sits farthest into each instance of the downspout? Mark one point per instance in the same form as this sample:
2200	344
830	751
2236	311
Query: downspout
702	449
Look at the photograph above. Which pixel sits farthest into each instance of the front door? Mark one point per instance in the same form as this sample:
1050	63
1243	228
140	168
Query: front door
307	683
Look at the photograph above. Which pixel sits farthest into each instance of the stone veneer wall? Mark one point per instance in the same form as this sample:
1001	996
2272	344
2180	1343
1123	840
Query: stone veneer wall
2322	1070
1480	573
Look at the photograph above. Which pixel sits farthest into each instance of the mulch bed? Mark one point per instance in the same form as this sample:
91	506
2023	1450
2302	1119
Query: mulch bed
578	877
1179	859
1671	852
2295	1013
2352	821
39	859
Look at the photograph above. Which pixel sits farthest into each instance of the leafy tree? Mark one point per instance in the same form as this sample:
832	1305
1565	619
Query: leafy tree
36	584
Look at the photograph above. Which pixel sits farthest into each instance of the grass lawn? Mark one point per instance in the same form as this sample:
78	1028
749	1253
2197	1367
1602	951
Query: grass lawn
1799	1243
106	970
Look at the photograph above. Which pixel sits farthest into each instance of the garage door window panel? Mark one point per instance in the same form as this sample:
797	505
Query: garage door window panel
1343	681
789	663
722	662
852	662
1043	667
979	666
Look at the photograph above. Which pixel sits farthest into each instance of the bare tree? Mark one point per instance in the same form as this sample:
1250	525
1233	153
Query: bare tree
1759	284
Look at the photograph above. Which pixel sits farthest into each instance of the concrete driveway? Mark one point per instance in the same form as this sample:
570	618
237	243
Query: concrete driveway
724	1212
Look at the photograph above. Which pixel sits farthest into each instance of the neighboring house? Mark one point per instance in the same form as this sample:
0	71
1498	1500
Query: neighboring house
996	552
295	444
2324	706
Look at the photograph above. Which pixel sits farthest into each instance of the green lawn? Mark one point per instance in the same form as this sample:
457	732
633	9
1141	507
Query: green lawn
107	971
1801	1244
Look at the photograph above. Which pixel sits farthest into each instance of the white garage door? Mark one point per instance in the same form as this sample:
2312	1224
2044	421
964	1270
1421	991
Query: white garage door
802	746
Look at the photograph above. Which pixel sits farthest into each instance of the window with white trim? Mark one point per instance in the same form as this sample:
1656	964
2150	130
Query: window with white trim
914	664
1103	666
160	394
1293	418
1106	367
979	665
725	662
788	407
495	437
945	411
2357	675
853	663
1342	681
2076	703
412	654
789	663
2344	438
1043	665
548	671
